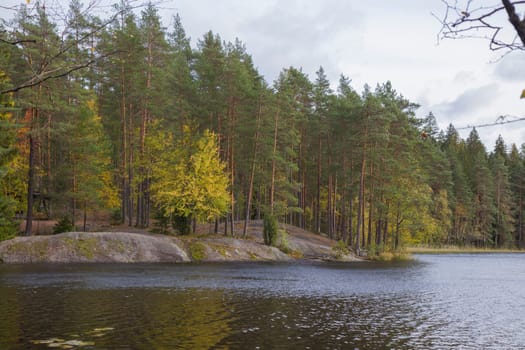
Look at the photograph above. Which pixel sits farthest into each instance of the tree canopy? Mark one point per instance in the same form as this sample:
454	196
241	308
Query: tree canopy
155	127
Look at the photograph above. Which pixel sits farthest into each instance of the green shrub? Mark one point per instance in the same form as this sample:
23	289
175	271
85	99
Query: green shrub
64	225
340	249
7	224
182	224
270	230
282	241
197	251
116	217
161	223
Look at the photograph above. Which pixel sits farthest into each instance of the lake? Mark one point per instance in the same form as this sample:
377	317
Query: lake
441	302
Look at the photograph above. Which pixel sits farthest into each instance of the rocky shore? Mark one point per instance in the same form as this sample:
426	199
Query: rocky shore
128	247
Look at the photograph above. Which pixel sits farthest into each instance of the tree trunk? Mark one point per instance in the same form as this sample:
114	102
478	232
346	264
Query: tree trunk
274	154
130	168
329	207
85	217
318	200
360	204
123	120
398	225
520	219
232	165
252	172
30	185
73	200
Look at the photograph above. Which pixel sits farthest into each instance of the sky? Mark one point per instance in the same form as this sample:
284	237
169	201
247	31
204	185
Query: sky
461	81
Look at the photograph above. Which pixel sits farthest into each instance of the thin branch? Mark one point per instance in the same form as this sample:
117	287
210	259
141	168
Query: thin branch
501	120
16	42
41	78
461	21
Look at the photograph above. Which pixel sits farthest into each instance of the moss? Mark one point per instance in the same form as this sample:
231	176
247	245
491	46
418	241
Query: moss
197	251
19	248
221	249
35	250
84	246
116	246
296	254
253	256
87	247
40	248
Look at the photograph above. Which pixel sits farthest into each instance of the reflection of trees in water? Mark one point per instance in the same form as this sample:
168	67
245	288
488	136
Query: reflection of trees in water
189	320
161	319
140	318
9	319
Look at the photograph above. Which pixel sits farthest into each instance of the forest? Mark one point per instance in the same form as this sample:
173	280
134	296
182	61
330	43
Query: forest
124	120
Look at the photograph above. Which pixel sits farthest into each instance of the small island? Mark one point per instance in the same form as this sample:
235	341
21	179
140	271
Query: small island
144	247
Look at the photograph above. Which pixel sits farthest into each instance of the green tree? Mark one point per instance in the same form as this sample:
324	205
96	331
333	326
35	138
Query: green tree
7	152
517	187
481	184
90	173
503	227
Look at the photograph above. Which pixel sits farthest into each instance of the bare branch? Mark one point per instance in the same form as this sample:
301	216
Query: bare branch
44	72
55	74
469	19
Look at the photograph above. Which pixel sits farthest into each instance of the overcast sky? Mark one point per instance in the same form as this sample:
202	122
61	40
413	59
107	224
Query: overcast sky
372	41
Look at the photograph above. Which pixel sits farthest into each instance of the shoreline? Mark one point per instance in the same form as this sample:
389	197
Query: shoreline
461	250
128	247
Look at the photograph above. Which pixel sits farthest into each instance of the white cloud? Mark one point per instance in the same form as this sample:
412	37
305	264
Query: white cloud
470	101
511	68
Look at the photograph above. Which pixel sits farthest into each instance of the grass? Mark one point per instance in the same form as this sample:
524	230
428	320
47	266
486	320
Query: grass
340	249
459	250
391	257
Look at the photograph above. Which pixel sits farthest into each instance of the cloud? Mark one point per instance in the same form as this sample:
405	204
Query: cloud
510	68
302	34
469	101
464	77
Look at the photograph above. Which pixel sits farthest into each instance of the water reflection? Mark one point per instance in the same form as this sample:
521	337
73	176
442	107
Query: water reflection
469	302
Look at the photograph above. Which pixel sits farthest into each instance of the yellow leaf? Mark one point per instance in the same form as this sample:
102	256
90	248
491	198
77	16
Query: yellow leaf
522	94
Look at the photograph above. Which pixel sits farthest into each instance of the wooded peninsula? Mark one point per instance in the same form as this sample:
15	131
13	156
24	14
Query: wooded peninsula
121	120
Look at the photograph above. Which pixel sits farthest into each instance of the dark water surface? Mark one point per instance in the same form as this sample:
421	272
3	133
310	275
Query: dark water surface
435	302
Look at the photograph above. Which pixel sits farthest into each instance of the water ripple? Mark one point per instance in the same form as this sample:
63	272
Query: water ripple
465	302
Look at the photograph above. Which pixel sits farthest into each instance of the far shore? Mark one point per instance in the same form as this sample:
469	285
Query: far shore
460	250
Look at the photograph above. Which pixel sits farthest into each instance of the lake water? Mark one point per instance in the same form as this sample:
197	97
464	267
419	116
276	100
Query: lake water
440	302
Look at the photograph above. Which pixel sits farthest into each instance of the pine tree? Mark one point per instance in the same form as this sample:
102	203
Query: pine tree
503	228
7	153
517	187
481	184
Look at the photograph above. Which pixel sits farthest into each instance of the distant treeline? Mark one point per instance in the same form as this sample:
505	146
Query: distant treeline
124	116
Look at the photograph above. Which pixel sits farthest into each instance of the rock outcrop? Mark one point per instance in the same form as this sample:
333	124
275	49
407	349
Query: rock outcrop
126	247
